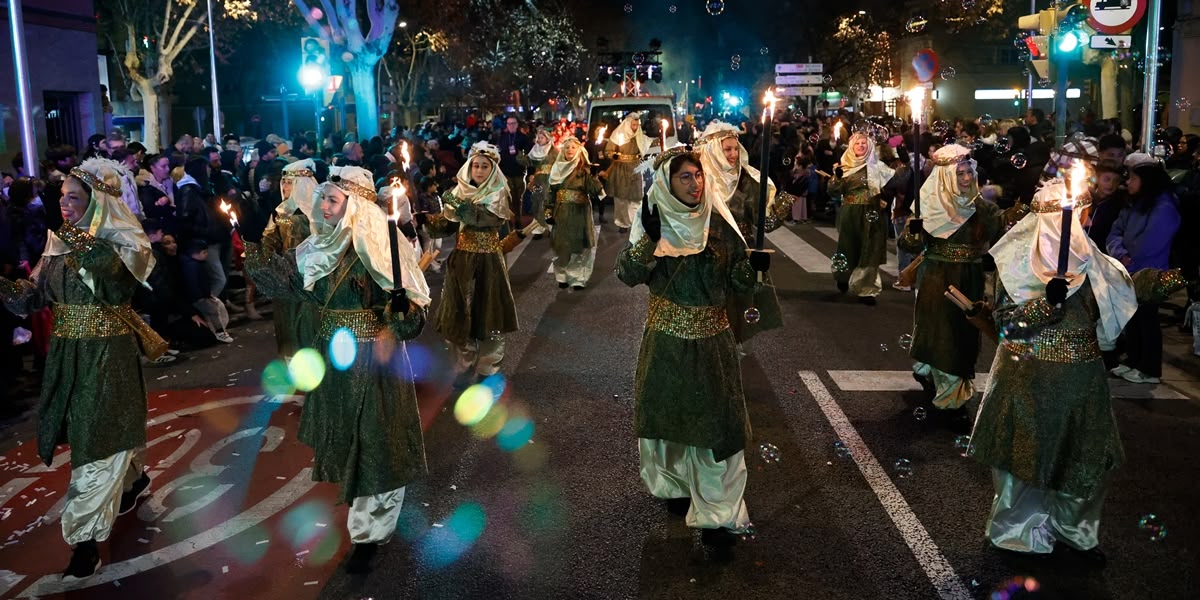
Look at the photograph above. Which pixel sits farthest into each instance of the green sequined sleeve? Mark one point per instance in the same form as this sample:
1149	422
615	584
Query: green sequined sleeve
1154	285
275	274
21	297
476	216
742	277
272	238
407	326
636	262
1032	314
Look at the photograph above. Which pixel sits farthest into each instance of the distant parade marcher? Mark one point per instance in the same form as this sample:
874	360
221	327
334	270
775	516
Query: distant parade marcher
731	180
93	393
690	416
362	422
476	307
295	321
861	224
511	143
539	160
959	228
626	146
569	209
1046	423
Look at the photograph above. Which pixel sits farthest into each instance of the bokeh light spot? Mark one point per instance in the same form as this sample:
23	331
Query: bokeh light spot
276	381
343	349
516	433
307	369
473	405
444	545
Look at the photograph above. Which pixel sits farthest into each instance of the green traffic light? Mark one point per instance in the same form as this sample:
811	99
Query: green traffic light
1072	41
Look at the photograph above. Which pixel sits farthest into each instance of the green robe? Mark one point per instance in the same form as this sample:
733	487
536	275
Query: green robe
1049	423
573	230
295	322
621	182
861	225
539	192
689	391
743	204
477	301
942	336
362	423
93	394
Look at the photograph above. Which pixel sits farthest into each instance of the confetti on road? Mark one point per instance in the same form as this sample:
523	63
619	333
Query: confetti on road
320	524
438	525
302	553
154	529
225	568
163	377
144	540
261	542
454	487
310	583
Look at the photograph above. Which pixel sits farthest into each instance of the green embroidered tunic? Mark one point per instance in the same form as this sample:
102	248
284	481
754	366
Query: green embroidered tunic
688	382
571	207
477	301
93	395
1046	416
295	322
539	192
861	225
362	423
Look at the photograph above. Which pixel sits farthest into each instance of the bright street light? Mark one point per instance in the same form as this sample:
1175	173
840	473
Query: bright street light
403	24
311	77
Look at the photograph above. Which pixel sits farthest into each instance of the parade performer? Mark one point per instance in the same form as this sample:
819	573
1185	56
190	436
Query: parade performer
730	179
959	227
93	394
626	146
690	416
295	321
570	211
1046	423
477	306
861	225
362	421
539	160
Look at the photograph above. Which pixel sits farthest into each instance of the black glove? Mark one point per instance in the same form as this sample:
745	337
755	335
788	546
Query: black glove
915	226
1056	291
409	230
400	301
421	219
760	261
651	223
989	263
251	230
838	172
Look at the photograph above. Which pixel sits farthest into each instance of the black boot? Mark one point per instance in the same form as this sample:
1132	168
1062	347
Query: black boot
84	561
129	499
868	300
843	286
360	558
718	538
679	507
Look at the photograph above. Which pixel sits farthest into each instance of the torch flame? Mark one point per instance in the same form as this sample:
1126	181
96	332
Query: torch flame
769	100
663	123
227	208
837	130
405	158
600	134
398	192
1075	184
916	99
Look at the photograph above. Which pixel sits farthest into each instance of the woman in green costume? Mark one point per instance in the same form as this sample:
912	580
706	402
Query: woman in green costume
362	420
93	394
731	179
626	146
477	306
959	227
690	416
569	209
539	160
1046	425
861	224
295	321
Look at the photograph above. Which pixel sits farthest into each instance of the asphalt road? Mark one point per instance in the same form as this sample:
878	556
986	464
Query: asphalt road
552	505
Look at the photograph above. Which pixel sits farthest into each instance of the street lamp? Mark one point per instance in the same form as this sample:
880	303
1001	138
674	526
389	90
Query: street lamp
403	24
311	77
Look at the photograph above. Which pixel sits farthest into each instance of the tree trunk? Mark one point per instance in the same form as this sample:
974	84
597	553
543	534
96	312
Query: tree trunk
151	123
366	106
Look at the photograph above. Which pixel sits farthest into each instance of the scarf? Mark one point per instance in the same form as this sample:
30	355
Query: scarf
563	167
539	151
720	177
364	228
108	218
624	133
492	195
304	187
944	207
878	174
684	228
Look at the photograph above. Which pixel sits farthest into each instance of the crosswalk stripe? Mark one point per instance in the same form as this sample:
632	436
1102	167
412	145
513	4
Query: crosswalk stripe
902	381
888	267
799	251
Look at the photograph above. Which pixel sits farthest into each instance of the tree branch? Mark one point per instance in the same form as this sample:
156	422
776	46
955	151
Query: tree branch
170	47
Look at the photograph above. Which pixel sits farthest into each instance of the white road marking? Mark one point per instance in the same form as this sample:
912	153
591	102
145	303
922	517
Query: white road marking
935	565
516	253
799	251
888	267
902	381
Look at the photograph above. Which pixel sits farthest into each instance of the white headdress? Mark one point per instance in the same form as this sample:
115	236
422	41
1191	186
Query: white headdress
684	228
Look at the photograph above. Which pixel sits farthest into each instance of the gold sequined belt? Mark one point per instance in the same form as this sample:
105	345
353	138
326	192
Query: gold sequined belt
686	322
857	199
1059	345
626	158
572	197
484	242
79	321
952	252
362	323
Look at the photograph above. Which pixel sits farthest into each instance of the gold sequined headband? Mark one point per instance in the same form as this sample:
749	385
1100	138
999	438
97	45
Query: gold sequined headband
672	153
1051	206
716	137
953	159
298	173
95	182
488	152
352	188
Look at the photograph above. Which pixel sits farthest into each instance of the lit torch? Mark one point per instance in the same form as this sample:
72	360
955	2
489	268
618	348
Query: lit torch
227	208
1075	183
837	131
393	233
600	134
404	156
663	125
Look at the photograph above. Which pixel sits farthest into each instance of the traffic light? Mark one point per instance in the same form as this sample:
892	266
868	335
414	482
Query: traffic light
1065	28
1072	33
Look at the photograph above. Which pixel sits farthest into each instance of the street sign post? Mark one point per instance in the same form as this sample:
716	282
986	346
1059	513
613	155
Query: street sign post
797	80
1115	16
799	68
1111	42
814	90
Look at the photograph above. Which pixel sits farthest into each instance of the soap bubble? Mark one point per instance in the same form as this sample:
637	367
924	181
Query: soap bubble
1019	40
769	453
840	450
872	216
752	315
764	50
628	8
827	79
985	119
1152	526
916	24
968	4
814	138
1183	104
940	127
538	61
903	468
735	66
839	262
919	413
736	58
949	73
715	7
963	444
672	9
787	161
1003	144
1018	161
883	348
906	341
1044	82
1162	151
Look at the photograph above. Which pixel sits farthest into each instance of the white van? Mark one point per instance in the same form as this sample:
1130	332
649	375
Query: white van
608	112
